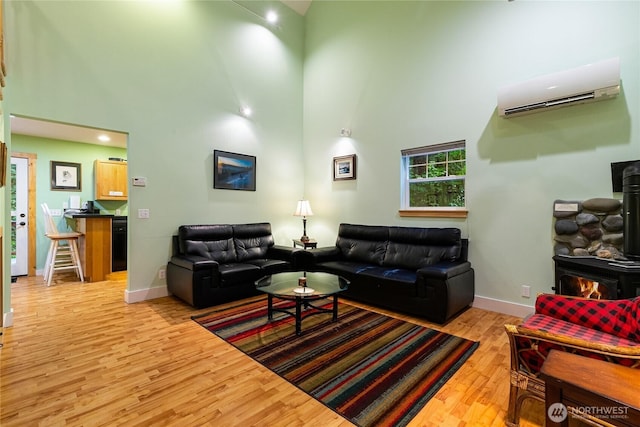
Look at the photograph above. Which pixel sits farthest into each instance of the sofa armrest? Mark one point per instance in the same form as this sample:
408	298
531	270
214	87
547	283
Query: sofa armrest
194	262
287	253
282	252
329	253
444	270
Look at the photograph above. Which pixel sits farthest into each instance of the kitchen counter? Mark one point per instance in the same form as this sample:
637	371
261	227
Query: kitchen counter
86	215
94	244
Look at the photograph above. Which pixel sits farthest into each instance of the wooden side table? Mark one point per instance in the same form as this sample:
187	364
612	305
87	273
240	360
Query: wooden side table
592	390
306	244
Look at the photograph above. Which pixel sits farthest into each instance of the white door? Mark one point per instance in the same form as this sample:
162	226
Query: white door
19	216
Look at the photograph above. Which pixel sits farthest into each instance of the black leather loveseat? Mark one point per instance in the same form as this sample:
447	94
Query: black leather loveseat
419	271
212	264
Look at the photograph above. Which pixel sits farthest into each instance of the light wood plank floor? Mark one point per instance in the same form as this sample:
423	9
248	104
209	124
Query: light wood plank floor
78	355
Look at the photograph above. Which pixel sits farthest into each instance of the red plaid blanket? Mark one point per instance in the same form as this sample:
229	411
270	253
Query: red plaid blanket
620	318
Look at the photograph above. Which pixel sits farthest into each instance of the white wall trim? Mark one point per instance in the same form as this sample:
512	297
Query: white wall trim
7	319
506	307
140	295
491	304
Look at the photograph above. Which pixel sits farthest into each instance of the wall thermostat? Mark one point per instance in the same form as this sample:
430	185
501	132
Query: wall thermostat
139	181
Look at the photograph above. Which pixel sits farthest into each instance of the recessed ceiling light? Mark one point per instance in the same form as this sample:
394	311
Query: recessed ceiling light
104	138
272	17
245	111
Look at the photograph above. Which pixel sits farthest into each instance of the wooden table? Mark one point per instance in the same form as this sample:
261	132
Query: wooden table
595	391
305	244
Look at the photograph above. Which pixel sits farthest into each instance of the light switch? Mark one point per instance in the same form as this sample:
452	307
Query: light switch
143	213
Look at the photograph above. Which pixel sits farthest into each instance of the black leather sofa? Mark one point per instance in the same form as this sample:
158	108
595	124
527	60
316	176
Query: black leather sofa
419	271
213	264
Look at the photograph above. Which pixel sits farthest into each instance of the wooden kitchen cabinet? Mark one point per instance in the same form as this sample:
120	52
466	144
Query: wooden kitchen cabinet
111	180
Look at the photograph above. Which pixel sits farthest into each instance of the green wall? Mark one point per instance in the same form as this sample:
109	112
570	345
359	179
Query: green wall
409	74
399	74
172	75
48	150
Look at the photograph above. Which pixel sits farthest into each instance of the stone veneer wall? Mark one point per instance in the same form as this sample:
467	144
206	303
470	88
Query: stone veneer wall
592	227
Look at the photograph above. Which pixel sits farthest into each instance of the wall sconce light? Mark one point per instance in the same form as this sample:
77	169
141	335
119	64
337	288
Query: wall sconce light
345	132
245	111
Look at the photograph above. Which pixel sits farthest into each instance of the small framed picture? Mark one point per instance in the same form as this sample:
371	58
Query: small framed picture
344	167
66	176
232	171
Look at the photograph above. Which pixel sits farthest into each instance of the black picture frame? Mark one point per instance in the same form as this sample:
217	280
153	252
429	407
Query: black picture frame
66	176
233	171
344	167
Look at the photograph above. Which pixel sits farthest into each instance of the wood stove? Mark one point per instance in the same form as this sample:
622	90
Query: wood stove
594	277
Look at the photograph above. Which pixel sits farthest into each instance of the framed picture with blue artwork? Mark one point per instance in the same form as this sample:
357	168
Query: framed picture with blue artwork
233	171
344	167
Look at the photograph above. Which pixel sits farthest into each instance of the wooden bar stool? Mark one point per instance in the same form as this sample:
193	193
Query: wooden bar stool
63	251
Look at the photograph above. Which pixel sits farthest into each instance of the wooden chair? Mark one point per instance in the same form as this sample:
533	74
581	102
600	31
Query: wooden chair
63	250
602	329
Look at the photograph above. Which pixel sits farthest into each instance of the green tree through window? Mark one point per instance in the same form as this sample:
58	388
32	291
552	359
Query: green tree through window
434	176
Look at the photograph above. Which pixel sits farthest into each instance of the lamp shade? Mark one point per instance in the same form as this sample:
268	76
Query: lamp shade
303	208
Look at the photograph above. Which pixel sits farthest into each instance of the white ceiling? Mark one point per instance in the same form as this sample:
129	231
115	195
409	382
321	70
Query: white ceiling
66	132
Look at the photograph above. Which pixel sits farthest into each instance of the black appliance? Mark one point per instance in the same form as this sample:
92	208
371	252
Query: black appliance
612	279
91	208
119	243
631	211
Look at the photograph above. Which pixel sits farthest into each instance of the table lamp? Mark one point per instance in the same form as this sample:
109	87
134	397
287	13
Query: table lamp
304	210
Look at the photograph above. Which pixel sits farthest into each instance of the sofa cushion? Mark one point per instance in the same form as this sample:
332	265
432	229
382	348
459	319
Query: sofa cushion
617	317
270	266
362	243
347	268
394	274
252	241
413	248
564	336
214	242
235	273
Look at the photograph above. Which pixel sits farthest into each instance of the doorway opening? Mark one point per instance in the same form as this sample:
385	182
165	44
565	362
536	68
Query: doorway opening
26	172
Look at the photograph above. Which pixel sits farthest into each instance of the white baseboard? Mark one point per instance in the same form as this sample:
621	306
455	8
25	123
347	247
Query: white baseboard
506	307
131	297
491	304
7	319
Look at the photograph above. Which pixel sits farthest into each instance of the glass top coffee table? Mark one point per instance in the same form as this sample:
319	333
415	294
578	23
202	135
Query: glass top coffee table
303	288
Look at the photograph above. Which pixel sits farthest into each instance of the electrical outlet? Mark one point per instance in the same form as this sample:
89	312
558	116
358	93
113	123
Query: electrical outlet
162	274
143	213
526	291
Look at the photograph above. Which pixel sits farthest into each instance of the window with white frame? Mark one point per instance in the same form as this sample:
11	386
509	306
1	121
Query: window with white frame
433	177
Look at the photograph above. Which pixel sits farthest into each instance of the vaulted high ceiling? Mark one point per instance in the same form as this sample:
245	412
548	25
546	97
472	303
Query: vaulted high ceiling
300	6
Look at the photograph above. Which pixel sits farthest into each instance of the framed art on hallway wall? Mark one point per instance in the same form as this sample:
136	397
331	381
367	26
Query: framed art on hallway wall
66	176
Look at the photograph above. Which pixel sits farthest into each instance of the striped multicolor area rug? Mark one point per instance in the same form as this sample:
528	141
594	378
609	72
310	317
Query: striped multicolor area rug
370	368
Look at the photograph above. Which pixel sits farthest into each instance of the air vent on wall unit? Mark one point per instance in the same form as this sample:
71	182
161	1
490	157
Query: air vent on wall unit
588	83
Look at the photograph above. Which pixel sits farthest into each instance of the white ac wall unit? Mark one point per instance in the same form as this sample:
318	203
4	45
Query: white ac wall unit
588	83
